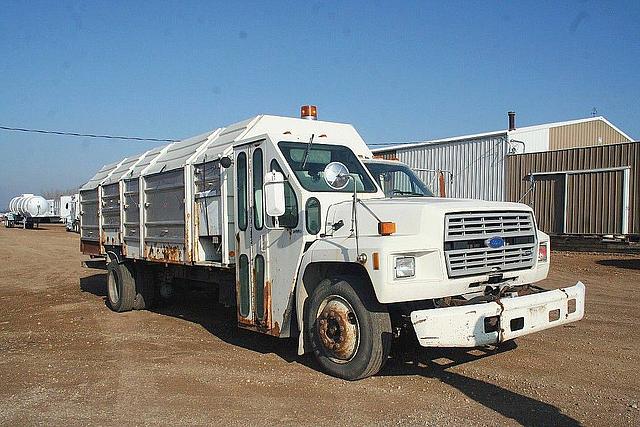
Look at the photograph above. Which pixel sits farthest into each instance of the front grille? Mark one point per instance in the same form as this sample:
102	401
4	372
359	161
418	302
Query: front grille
466	252
484	225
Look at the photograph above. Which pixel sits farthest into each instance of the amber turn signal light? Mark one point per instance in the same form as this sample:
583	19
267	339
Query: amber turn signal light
386	228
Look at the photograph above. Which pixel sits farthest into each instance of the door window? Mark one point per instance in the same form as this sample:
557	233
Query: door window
259	272
312	215
242	191
258	176
244	285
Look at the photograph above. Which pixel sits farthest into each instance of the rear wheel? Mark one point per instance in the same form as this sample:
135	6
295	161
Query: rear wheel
349	330
145	288
121	289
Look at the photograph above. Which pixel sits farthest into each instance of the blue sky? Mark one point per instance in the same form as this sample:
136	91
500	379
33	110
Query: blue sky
398	71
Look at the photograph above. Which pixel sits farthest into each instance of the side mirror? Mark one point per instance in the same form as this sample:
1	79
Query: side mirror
336	175
225	162
274	193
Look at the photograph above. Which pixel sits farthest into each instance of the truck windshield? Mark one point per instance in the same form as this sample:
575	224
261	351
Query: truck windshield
311	176
397	180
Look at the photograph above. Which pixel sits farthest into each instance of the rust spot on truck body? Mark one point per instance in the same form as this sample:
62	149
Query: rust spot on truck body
252	323
89	247
266	304
163	253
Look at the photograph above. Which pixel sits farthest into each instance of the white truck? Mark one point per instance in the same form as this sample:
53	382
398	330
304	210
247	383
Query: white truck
307	235
69	212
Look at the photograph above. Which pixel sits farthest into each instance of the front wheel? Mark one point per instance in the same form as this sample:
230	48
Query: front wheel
349	330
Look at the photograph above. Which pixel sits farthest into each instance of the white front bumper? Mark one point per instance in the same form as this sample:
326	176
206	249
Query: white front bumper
464	326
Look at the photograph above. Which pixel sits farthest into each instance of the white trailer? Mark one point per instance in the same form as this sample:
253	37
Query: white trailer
307	235
26	210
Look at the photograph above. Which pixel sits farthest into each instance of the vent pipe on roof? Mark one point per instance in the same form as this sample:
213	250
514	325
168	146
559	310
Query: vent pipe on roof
512	120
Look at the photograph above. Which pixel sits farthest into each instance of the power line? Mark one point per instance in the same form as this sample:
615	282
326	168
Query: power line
86	135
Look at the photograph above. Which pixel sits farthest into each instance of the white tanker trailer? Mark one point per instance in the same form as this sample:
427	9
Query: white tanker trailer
26	210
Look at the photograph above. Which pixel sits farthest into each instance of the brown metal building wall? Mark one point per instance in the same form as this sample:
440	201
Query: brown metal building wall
390	155
594	200
594	203
585	134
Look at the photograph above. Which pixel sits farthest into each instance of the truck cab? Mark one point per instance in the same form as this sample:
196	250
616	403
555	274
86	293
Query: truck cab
308	235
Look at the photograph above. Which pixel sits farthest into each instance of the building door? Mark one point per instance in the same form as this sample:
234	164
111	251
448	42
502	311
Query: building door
595	202
548	201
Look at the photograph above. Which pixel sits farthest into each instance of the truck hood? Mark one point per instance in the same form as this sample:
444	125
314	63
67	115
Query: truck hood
443	204
412	215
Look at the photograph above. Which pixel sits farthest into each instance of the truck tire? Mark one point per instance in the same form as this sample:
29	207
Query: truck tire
145	288
350	331
121	288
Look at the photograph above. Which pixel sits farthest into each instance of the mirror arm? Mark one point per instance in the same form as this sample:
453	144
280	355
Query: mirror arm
354	214
277	227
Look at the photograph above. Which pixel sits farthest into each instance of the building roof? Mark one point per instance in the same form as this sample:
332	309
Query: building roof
500	132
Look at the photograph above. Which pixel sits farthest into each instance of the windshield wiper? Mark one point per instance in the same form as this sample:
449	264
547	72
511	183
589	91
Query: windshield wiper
306	152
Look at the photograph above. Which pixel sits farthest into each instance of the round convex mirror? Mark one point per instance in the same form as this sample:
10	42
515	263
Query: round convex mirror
225	162
336	175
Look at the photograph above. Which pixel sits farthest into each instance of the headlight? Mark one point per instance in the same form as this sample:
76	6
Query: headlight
542	252
405	267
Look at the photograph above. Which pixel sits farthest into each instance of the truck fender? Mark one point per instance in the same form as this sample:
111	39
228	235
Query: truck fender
301	295
314	276
114	256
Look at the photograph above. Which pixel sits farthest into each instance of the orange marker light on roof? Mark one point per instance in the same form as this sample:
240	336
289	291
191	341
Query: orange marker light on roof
386	228
309	112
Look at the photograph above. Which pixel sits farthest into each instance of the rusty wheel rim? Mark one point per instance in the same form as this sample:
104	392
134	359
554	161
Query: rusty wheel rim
338	329
113	288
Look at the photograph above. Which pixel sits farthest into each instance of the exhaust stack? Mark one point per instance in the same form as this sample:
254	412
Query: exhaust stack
512	120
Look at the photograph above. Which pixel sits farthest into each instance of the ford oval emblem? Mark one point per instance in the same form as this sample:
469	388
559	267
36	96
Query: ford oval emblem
494	242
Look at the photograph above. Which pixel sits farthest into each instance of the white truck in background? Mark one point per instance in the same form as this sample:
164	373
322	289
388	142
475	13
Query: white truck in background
53	215
307	235
70	212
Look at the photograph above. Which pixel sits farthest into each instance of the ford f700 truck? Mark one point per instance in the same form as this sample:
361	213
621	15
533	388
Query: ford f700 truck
307	235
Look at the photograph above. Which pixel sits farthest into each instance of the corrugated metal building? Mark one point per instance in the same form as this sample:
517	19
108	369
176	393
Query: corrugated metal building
474	164
590	190
486	166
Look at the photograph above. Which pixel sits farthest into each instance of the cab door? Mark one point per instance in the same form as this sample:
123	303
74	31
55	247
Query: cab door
253	288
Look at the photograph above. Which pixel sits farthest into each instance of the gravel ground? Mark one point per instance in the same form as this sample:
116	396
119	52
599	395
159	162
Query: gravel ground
67	359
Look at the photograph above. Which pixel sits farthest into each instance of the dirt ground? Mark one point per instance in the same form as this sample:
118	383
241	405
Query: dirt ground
65	358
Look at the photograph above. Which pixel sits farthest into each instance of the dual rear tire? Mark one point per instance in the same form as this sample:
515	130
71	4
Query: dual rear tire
121	286
129	287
